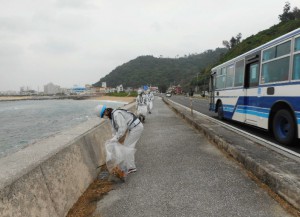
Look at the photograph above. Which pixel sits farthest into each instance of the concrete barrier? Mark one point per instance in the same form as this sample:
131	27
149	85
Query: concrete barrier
47	178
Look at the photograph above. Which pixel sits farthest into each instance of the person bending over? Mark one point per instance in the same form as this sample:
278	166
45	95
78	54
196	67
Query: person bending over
122	122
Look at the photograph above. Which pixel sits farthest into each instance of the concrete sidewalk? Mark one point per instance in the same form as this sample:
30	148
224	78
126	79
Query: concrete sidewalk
181	174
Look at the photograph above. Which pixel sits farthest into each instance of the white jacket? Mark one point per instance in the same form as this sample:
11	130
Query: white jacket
151	96
120	122
141	100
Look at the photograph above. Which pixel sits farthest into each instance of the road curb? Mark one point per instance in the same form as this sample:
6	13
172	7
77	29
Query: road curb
278	172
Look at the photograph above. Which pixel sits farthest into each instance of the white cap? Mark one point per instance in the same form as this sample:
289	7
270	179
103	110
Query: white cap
100	109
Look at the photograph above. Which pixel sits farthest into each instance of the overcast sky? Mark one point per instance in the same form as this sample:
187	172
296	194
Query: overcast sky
70	42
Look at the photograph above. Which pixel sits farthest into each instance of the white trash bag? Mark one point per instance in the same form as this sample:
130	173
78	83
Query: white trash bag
142	110
118	158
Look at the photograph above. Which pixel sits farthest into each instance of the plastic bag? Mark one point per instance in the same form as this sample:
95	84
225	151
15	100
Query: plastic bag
118	158
142	110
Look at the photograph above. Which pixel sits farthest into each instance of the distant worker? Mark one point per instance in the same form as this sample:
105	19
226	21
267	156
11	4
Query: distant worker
141	105
123	121
150	101
191	92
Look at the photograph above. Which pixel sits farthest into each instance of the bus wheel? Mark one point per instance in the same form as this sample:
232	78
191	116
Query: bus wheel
284	127
220	111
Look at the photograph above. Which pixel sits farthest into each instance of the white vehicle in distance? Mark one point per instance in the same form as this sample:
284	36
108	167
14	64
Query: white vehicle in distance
168	94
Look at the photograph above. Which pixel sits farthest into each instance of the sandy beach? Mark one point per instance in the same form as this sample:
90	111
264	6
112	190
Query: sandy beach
14	97
115	98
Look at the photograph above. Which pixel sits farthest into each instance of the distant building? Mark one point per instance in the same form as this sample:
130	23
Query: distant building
89	89
103	84
178	89
120	88
9	92
52	89
128	89
78	89
175	89
154	89
88	86
110	90
66	91
98	90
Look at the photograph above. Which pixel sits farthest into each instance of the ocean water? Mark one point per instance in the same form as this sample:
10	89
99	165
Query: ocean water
25	122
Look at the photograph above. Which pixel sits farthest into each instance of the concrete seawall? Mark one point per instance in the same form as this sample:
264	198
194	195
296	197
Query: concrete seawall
48	177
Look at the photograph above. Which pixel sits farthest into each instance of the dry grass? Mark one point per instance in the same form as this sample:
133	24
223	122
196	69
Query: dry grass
87	203
284	204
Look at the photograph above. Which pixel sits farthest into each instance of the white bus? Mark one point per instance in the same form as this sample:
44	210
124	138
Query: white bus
262	88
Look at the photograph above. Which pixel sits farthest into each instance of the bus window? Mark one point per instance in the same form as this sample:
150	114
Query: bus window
269	54
223	71
220	82
220	79
229	76
297	44
239	73
296	68
283	49
253	75
277	51
274	71
296	65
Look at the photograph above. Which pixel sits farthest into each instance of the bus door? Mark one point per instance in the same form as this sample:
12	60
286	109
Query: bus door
250	88
211	91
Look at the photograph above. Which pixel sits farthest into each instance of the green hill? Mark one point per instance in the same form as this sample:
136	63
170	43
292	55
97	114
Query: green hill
161	71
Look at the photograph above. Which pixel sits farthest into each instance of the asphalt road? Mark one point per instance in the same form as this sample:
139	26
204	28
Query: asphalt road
202	105
181	174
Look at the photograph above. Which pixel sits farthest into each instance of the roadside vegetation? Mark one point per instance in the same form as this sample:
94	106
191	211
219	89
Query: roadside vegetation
123	94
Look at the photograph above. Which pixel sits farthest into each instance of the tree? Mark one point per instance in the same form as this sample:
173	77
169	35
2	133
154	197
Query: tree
238	38
288	15
162	88
296	13
233	41
226	44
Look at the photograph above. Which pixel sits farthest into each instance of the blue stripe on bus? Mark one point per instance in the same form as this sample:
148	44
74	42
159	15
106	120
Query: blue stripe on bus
268	102
260	106
258	109
298	117
228	108
252	112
